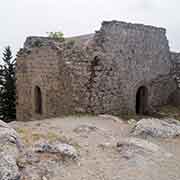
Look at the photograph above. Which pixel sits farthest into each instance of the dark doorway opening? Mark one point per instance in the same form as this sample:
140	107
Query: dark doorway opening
141	100
38	100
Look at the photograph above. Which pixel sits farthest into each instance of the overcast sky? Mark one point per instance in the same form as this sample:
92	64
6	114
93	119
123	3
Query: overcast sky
22	18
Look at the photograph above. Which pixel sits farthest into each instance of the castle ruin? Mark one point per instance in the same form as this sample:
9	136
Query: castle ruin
122	68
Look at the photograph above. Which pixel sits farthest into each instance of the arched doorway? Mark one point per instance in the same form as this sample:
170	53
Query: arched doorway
38	100
141	100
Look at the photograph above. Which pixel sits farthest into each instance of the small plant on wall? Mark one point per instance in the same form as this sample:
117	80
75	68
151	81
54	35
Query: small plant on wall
56	35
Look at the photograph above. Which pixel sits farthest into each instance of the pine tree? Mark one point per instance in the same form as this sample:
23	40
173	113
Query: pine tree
7	87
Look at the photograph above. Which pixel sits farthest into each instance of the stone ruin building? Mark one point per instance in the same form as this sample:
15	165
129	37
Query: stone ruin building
122	68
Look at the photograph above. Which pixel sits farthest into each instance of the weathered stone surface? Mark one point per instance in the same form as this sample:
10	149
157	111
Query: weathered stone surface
10	147
9	135
64	150
131	147
100	158
157	128
8	167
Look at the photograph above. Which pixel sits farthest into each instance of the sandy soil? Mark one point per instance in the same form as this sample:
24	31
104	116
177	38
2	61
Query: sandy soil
95	138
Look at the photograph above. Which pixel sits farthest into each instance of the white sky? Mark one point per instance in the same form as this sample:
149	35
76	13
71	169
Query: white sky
22	18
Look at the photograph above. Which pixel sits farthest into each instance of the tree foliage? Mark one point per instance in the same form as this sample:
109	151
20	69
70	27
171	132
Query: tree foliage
7	86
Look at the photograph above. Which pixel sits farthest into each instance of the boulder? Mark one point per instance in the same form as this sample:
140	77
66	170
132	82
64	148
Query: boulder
132	147
8	167
154	127
64	150
9	135
10	146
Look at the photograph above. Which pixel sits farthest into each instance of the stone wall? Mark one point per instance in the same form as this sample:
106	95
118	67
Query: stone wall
175	96
40	66
98	73
59	69
175	59
134	56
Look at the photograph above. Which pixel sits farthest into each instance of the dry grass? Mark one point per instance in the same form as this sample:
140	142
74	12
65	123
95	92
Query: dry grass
169	111
134	116
162	112
129	116
30	136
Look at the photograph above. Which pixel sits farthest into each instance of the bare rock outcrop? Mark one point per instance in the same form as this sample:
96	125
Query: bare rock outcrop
134	147
10	146
64	150
8	167
9	135
165	128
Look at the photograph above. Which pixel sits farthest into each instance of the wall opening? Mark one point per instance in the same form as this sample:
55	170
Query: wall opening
38	100
141	100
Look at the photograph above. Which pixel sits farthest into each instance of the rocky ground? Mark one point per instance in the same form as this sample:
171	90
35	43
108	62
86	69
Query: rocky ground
90	148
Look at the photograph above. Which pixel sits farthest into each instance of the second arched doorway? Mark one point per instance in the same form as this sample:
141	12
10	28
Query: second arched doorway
141	100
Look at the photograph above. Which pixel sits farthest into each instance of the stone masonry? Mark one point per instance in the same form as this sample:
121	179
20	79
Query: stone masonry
122	68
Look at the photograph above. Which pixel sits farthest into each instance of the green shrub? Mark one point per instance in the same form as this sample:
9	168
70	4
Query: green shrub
56	35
